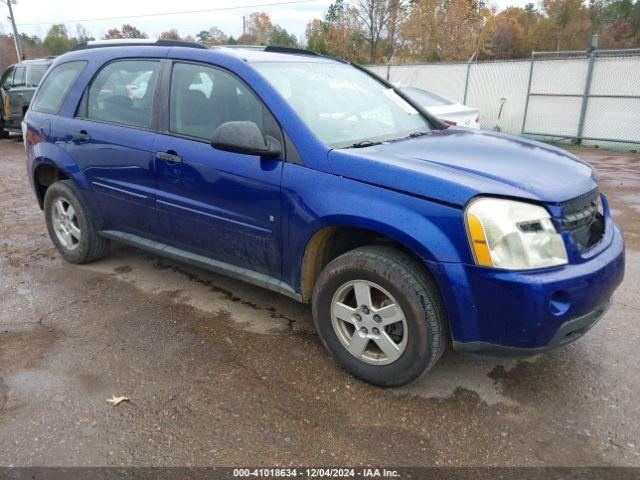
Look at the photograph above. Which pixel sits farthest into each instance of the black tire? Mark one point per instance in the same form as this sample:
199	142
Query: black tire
91	245
415	292
3	132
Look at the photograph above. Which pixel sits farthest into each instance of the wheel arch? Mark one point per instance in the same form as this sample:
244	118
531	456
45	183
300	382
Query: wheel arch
333	238
50	164
44	175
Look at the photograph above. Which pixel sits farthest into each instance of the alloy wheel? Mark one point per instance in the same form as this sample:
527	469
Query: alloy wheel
65	224
369	322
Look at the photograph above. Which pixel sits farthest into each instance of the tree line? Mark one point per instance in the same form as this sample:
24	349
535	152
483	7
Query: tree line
380	31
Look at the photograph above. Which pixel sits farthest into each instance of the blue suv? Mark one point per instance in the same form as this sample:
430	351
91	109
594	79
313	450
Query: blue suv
314	178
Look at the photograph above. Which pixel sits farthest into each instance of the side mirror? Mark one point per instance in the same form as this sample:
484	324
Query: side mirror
246	138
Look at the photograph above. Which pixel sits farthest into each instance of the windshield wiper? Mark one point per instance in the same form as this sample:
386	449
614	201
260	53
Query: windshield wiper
417	134
364	143
411	135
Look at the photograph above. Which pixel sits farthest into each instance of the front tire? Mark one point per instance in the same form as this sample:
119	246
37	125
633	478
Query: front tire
71	225
3	132
380	315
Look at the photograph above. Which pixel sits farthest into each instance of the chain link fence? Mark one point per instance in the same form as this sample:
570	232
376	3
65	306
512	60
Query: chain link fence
589	97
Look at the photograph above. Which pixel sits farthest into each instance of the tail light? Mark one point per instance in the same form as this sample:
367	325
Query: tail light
449	122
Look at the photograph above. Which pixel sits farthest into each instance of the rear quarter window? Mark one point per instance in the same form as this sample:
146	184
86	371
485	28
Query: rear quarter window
55	87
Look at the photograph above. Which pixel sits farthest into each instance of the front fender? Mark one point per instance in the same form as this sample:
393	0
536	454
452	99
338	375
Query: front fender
313	200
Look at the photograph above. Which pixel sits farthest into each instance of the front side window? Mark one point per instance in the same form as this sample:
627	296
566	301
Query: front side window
36	72
55	87
203	98
7	79
123	93
18	77
341	104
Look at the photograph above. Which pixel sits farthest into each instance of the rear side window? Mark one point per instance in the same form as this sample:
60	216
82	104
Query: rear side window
123	93
36	73
203	98
55	87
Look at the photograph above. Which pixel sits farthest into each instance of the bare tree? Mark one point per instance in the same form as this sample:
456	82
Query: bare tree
374	15
398	11
82	34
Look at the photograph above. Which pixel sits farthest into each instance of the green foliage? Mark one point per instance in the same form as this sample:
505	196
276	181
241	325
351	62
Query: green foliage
57	40
281	38
204	37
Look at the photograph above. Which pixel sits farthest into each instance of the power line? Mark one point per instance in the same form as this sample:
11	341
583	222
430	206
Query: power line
207	10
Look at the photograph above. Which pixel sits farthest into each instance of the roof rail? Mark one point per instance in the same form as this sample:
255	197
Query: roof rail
137	42
273	49
298	51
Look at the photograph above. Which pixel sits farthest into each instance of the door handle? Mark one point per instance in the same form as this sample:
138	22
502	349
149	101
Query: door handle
81	135
169	157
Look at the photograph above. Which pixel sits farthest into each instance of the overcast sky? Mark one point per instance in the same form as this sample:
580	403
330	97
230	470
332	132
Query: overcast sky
36	16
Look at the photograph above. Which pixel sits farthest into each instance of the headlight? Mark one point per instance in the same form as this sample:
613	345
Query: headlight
513	235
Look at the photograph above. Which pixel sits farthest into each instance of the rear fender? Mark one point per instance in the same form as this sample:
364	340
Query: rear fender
46	153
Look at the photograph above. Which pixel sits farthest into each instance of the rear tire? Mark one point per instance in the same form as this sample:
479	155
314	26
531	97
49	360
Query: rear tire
71	225
389	346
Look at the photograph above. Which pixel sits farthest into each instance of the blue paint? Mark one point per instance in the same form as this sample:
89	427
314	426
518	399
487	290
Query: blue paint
259	214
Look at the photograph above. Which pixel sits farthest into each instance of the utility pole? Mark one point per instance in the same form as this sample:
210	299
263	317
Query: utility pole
244	25
16	38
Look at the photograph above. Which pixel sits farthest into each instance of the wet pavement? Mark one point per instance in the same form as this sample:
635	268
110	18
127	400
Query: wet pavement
222	373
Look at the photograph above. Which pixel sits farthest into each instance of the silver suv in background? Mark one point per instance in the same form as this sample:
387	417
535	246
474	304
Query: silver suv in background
17	86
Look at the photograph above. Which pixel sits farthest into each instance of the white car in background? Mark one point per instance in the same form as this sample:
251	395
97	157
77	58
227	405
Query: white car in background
447	110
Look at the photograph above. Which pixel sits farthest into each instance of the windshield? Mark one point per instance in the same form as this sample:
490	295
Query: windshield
425	98
342	105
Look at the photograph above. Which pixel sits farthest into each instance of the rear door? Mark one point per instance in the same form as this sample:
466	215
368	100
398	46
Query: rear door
111	140
220	204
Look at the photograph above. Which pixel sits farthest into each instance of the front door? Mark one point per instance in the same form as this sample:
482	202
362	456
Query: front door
219	204
6	82
111	140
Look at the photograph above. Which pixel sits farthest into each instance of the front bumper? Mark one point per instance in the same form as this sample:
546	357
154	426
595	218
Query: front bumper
527	312
569	331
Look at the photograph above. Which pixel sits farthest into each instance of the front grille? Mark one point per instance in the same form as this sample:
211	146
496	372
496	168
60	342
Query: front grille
582	220
580	203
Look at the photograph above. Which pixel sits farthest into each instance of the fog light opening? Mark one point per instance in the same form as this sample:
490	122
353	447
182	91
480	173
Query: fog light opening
559	303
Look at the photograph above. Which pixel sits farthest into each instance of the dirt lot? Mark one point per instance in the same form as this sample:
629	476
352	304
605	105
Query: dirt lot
222	373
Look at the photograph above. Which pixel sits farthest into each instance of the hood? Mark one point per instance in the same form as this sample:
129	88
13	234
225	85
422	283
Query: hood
454	165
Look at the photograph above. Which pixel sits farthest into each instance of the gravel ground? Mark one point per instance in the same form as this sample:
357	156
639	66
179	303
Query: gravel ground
222	373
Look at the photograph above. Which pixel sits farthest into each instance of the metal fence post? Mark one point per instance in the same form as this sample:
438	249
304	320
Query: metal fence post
593	51
526	104
466	82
